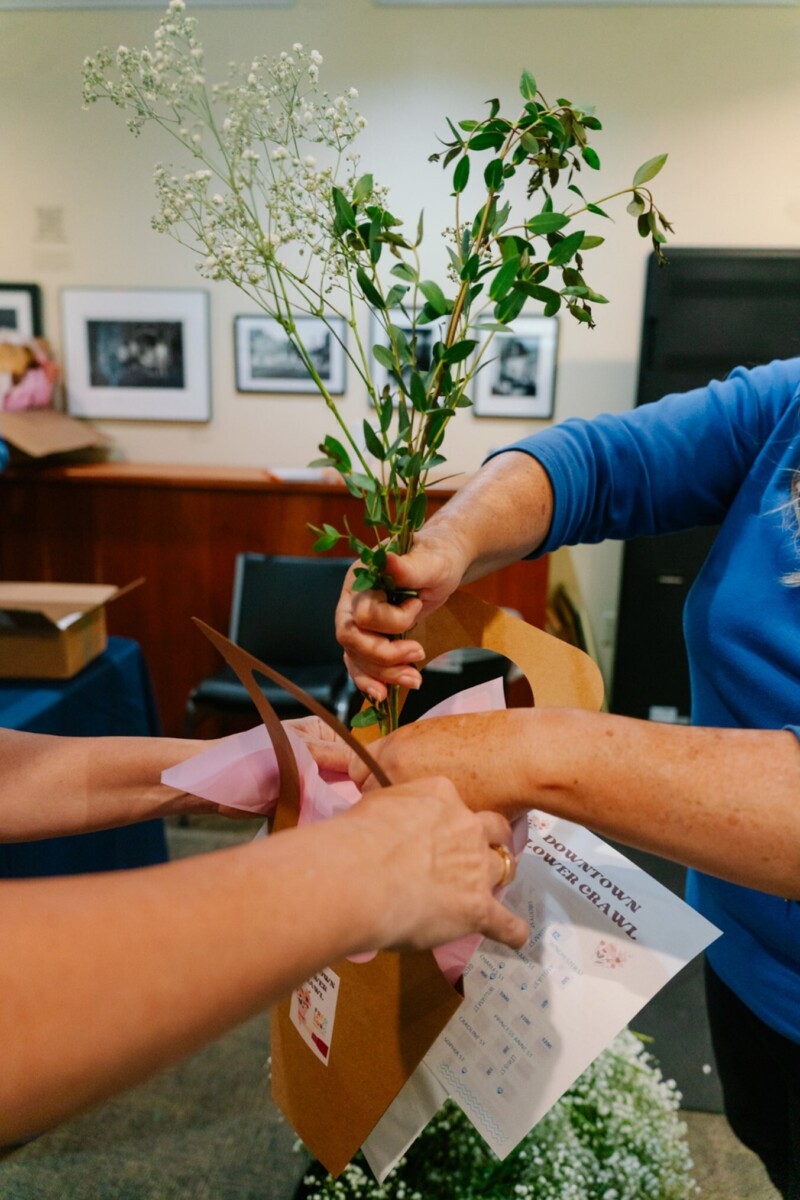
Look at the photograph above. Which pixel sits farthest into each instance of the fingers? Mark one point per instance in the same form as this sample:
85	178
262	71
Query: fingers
501	925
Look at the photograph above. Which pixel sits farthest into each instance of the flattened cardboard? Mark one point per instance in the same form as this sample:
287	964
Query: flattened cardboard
390	1009
42	432
52	630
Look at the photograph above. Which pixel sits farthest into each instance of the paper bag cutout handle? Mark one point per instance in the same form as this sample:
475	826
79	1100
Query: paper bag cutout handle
245	666
560	675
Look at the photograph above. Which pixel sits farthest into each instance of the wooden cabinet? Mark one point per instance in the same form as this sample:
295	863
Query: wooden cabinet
181	529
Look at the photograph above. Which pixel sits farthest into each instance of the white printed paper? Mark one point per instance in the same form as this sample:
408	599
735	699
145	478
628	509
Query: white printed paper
312	1010
605	938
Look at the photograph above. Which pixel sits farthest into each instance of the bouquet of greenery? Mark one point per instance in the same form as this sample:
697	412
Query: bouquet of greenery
614	1135
275	202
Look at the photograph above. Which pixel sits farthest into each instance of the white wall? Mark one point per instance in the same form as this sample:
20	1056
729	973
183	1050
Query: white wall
717	87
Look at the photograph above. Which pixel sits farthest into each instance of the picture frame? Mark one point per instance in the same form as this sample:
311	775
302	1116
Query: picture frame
517	377
266	361
427	335
21	308
137	354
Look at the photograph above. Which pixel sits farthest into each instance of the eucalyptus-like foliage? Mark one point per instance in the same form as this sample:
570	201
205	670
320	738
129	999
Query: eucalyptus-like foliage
276	203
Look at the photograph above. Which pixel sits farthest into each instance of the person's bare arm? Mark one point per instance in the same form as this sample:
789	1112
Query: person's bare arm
106	979
51	786
722	800
501	514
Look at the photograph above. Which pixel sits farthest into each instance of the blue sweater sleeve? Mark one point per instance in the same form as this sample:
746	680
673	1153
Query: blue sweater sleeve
664	466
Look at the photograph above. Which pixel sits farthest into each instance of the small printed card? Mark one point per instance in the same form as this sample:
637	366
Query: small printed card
604	939
313	1009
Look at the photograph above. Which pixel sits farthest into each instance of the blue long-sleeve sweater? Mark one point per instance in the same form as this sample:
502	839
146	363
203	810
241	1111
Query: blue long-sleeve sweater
724	454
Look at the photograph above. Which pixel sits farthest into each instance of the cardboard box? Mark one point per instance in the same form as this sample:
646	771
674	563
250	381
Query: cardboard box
40	433
52	630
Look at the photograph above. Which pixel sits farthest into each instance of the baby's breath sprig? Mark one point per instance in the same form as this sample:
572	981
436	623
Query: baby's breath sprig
272	198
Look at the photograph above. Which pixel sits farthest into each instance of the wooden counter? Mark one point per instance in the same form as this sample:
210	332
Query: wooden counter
181	528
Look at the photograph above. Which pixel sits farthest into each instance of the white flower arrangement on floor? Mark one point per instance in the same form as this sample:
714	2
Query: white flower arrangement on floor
616	1134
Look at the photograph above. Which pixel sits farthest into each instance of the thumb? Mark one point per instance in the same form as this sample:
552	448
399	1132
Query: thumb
420	568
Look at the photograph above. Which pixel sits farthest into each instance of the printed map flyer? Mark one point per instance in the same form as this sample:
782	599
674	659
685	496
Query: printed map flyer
605	938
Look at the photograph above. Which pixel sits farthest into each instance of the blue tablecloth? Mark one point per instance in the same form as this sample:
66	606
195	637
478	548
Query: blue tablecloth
112	695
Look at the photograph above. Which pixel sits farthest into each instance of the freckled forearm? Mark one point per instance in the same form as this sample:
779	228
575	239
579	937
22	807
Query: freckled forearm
723	801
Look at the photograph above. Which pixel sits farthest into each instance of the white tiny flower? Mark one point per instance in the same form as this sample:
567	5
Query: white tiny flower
316	58
297	47
308	116
251	79
279	153
217	199
352	93
360	122
309	161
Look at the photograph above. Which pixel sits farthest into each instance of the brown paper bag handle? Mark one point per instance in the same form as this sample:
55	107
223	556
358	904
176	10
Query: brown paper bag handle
560	675
246	666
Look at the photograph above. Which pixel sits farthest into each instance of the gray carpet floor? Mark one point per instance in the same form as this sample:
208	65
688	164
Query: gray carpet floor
207	1129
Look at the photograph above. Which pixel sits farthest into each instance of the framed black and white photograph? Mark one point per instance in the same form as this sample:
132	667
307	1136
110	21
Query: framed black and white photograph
425	338
21	308
517	373
266	360
137	355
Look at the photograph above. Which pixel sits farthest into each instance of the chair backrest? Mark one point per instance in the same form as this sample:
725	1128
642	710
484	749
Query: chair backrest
283	607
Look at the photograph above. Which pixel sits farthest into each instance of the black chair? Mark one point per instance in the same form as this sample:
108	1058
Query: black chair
282	612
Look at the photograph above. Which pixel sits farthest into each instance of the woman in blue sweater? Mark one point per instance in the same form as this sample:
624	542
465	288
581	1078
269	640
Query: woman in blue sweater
722	796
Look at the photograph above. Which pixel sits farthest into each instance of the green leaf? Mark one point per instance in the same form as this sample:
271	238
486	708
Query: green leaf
396	294
590	157
486	141
327	539
529	143
504	279
563	251
344	209
416	511
590	241
435	296
597	210
649	170
384	355
461	174
373	442
371	293
493	175
363	189
404	271
636	206
419	397
547	222
468	126
367	716
536	292
527	86
510	307
336	452
459	350
385	412
471	267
